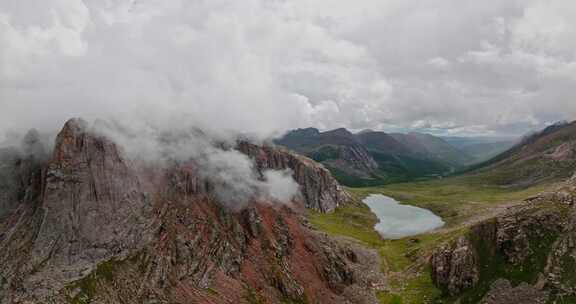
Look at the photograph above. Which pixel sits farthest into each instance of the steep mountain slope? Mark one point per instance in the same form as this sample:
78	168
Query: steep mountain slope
87	225
398	160
545	156
337	149
383	142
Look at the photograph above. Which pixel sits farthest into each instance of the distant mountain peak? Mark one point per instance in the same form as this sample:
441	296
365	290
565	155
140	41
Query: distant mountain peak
365	131
372	132
306	132
339	132
372	157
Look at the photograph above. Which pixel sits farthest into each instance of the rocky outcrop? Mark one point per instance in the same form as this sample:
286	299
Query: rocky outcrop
502	292
354	160
518	246
455	267
83	206
562	196
90	226
564	193
320	191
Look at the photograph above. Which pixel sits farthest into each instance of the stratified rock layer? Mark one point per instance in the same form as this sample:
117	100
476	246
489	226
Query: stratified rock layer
89	226
319	189
85	205
525	253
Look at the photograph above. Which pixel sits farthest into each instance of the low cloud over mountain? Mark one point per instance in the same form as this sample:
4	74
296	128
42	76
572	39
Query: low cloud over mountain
447	67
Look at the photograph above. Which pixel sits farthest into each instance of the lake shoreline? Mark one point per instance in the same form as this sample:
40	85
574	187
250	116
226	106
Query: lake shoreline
397	220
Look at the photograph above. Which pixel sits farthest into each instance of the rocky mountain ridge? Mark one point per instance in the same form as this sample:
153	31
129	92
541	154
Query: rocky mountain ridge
87	225
375	157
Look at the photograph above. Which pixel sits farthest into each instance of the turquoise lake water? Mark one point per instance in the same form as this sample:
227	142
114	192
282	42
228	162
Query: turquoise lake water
398	220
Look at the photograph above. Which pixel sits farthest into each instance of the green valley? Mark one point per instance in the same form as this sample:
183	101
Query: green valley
460	201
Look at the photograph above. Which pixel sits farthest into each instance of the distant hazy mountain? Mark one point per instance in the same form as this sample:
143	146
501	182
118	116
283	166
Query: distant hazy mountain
481	148
374	157
338	149
432	147
548	155
382	142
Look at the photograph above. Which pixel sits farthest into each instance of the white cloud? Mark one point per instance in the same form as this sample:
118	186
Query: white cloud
264	66
439	62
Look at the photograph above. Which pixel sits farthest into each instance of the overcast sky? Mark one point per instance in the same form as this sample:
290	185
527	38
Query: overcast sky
463	67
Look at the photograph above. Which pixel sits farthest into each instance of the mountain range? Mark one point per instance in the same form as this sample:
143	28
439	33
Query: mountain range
375	157
481	148
85	224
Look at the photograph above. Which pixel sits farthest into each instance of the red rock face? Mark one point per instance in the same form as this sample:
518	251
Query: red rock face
104	230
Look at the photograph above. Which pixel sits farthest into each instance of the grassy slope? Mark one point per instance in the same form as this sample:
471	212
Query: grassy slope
402	259
531	162
392	169
456	199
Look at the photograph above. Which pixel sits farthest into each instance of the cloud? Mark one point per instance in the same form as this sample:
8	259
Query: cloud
232	174
260	67
439	63
236	181
280	186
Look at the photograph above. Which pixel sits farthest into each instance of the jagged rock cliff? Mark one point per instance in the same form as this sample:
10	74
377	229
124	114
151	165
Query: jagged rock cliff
353	160
90	226
455	267
338	149
527	253
80	207
319	189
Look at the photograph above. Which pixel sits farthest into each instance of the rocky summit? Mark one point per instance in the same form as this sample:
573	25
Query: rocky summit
86	224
